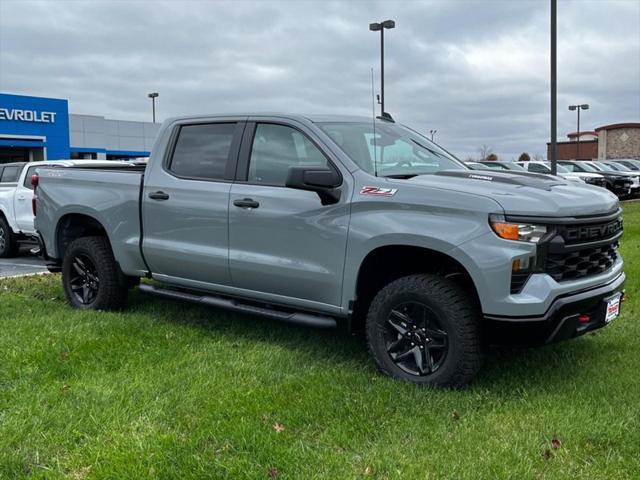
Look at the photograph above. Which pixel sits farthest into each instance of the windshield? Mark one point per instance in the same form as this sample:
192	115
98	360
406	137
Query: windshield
617	167
601	167
394	151
587	167
514	166
495	166
559	168
632	164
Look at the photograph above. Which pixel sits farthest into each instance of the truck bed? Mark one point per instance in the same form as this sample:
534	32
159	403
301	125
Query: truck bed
108	194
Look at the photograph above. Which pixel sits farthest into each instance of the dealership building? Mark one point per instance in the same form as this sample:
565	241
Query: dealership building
38	128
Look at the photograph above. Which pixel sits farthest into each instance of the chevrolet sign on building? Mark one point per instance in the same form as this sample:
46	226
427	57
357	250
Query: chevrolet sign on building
27	115
38	128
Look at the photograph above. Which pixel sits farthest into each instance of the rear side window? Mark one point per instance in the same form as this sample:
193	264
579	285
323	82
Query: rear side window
202	151
27	178
10	174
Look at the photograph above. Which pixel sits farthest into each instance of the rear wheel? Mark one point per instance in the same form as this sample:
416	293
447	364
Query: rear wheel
90	275
8	242
425	329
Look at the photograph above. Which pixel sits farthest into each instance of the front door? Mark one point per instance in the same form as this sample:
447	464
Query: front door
186	205
284	242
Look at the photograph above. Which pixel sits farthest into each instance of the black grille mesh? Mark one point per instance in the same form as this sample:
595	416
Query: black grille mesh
581	263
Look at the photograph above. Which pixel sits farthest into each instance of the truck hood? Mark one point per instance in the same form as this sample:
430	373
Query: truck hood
533	194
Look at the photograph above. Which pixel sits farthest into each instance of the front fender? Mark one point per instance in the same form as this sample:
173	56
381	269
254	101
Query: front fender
437	229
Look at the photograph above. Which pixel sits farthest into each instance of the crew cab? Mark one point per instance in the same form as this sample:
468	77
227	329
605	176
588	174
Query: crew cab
335	220
16	192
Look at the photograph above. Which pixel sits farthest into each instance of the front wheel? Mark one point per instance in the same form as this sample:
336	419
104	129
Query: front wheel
425	329
90	275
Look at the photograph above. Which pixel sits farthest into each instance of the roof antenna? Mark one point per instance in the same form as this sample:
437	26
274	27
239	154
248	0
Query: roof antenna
373	118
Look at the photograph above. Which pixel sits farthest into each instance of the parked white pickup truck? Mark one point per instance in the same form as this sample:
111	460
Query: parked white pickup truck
16	193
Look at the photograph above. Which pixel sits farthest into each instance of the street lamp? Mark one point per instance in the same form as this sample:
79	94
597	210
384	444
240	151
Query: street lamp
584	106
375	27
153	97
432	133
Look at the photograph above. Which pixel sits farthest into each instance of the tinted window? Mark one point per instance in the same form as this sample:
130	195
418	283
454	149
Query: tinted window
10	174
571	167
202	151
27	177
537	168
276	148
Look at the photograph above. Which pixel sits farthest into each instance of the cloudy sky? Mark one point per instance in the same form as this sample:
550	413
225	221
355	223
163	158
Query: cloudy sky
477	71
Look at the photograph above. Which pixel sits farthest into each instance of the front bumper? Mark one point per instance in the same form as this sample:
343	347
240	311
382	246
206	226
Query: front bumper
621	187
560	322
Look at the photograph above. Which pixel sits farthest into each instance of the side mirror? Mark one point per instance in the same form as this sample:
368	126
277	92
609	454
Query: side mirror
323	181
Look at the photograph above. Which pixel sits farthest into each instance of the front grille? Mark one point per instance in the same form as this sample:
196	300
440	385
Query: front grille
582	249
622	183
581	263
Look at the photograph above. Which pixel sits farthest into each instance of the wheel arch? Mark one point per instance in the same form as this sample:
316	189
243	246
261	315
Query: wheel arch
76	225
386	263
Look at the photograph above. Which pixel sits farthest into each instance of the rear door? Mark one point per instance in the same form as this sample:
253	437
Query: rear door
283	242
8	183
186	203
22	202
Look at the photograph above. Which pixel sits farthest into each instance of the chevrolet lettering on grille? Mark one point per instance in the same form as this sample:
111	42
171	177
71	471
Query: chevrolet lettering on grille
591	232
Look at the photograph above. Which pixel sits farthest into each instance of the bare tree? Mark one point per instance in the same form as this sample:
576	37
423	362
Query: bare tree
492	157
484	151
537	157
524	157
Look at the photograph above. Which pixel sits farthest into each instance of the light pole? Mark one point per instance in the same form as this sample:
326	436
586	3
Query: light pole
153	97
375	27
432	133
554	87
584	106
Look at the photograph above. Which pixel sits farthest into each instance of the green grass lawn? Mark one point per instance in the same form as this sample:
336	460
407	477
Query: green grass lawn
173	390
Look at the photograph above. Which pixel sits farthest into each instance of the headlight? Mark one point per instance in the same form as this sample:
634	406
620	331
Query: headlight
522	232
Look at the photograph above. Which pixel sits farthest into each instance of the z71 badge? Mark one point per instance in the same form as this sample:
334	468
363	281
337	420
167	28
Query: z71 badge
378	191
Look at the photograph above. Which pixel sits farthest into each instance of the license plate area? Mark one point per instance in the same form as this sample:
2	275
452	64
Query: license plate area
612	309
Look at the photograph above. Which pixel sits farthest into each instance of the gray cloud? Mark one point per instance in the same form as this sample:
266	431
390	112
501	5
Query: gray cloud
477	71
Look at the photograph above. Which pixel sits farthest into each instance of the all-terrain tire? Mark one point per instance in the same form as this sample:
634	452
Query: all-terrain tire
448	307
8	242
93	255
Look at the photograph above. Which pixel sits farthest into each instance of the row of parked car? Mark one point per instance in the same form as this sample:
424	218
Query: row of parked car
621	177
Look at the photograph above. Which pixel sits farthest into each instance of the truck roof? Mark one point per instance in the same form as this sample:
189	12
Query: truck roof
13	164
315	118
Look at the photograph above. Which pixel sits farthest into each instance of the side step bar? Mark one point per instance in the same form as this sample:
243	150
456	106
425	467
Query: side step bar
307	319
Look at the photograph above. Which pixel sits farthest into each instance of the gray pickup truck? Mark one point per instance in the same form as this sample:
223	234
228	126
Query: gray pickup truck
335	220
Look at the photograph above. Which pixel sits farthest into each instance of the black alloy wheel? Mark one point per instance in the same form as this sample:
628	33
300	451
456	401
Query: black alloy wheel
84	280
415	340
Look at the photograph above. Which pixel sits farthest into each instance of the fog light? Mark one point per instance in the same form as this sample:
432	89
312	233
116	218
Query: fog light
584	318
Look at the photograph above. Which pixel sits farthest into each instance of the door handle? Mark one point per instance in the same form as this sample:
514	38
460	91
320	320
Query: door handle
159	196
246	203
22	198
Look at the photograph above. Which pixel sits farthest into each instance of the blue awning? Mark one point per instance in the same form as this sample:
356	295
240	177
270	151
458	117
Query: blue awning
9	142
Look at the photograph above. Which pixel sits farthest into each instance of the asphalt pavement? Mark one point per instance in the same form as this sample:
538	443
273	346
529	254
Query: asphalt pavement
22	264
